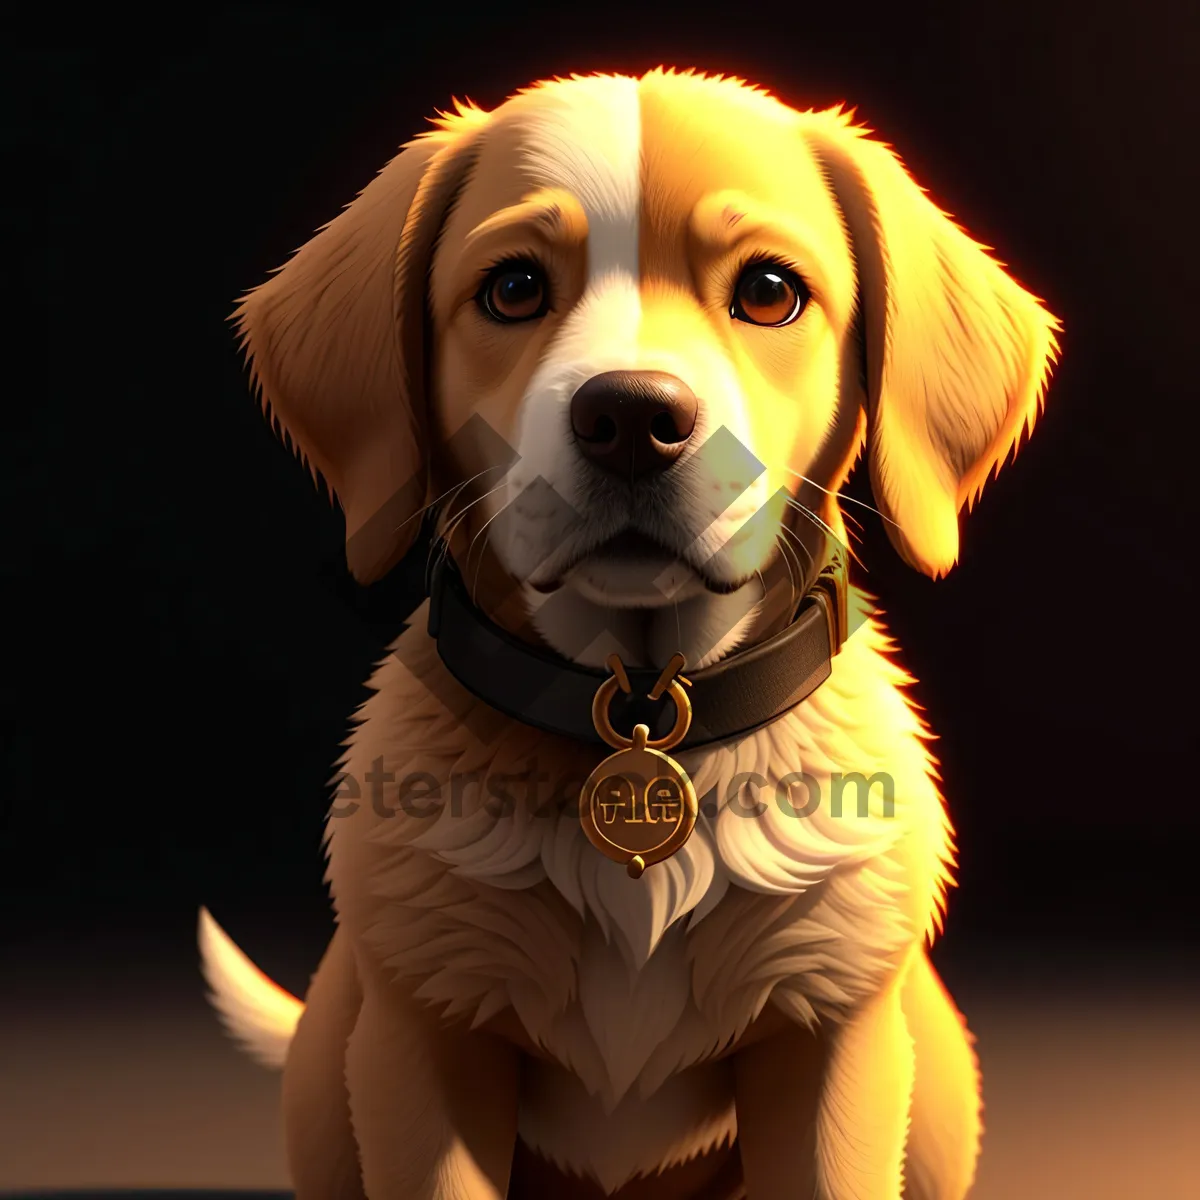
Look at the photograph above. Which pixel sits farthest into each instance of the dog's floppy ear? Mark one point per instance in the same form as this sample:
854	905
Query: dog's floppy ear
336	342
957	354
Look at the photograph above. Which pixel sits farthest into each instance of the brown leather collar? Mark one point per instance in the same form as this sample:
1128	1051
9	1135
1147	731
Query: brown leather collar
743	692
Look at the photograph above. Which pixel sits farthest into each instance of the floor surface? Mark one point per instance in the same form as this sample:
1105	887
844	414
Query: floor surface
122	1078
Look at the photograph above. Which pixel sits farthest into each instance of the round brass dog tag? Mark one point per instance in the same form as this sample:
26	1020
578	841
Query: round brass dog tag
638	806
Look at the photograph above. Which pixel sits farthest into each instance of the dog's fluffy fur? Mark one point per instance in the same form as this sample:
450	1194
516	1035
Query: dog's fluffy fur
493	977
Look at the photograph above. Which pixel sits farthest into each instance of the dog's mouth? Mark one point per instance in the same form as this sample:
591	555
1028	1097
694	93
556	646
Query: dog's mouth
633	569
632	546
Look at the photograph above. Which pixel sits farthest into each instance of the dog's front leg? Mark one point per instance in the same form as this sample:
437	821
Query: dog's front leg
825	1116
322	1154
434	1109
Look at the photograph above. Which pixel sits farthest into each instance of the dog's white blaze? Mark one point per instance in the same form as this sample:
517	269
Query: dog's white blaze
599	335
585	138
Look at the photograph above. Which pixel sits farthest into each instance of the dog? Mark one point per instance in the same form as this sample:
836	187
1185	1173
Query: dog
537	326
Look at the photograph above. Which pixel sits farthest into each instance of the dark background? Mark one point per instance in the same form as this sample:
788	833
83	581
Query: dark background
187	647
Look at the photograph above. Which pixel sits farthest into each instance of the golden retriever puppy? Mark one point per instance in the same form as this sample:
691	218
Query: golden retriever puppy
628	337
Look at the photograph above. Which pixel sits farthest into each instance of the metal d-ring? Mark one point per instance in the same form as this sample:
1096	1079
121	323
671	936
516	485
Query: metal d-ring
619	681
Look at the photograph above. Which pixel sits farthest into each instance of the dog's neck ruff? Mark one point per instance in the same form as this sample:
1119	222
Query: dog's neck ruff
741	693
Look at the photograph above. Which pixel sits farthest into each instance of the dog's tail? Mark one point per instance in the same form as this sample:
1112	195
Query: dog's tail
257	1013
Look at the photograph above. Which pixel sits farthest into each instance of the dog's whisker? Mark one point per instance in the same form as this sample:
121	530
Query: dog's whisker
457	518
454	488
809	515
453	516
454	492
843	496
786	553
804	573
762	583
790	532
437	549
482	532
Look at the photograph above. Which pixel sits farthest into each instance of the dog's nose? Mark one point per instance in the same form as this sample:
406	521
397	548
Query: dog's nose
633	422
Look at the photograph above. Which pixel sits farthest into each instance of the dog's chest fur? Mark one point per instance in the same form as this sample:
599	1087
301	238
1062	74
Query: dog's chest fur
633	986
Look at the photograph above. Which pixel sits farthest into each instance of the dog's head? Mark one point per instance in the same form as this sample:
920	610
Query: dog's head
632	334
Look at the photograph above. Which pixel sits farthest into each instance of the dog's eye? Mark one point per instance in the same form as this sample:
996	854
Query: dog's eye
768	294
515	291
